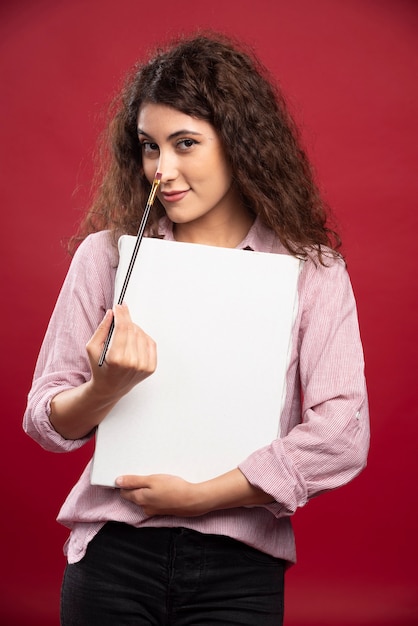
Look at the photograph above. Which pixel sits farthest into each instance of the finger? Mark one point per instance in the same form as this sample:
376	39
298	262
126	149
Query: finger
132	495
95	344
138	497
131	345
132	482
152	355
122	315
126	334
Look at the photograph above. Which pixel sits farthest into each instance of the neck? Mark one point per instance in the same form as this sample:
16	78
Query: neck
226	232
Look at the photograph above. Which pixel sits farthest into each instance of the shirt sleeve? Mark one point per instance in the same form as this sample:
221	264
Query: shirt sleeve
63	363
329	445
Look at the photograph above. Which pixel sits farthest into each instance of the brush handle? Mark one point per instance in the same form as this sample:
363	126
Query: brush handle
131	262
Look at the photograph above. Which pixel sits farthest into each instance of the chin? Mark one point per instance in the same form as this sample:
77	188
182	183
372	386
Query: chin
178	217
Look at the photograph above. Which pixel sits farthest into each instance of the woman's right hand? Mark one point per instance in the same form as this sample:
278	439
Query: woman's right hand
130	358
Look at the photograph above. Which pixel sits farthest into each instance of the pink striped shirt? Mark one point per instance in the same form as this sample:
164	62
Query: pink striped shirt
324	430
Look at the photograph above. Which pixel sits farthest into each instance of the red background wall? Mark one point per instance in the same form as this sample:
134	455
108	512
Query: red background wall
350	70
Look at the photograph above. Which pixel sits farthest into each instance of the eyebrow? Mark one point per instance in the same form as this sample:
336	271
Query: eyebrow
178	133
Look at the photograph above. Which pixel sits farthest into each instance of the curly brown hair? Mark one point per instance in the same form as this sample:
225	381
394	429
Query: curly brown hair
212	78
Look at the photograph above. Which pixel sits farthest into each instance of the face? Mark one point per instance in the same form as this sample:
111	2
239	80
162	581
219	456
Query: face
196	183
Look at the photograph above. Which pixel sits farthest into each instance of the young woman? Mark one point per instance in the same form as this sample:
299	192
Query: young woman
159	549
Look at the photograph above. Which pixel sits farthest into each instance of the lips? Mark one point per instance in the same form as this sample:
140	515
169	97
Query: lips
174	196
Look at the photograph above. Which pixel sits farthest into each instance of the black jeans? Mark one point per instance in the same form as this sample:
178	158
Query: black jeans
171	577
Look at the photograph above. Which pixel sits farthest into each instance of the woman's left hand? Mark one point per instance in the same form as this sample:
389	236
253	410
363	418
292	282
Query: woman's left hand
162	494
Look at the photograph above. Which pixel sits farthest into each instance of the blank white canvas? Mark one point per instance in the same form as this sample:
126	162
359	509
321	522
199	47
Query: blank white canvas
222	322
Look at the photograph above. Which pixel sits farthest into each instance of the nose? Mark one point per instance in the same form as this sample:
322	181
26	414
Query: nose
167	166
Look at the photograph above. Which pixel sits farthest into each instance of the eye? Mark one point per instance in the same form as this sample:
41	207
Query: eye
149	147
186	144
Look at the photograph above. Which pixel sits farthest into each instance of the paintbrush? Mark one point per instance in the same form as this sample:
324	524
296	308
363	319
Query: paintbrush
150	202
